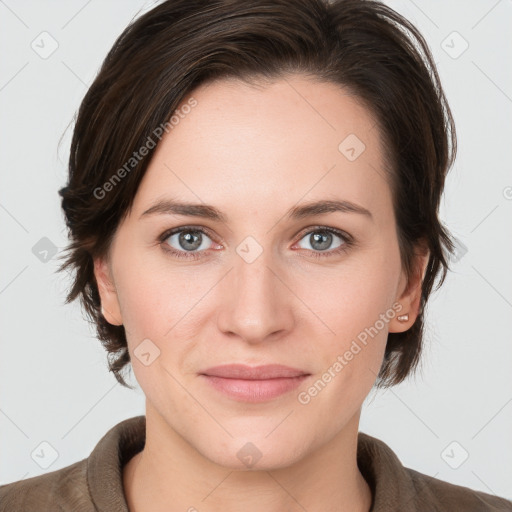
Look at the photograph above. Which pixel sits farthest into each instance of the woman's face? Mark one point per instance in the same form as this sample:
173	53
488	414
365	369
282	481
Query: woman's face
268	281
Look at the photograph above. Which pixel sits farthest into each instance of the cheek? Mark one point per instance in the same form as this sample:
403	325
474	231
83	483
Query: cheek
354	304
152	294
352	297
357	306
163	303
143	302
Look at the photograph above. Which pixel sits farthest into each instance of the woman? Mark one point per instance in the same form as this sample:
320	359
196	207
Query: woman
253	205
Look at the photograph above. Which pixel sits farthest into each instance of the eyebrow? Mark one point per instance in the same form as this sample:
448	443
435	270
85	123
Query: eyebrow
172	207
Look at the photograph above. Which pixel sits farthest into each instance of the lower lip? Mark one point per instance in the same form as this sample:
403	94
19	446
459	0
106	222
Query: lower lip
254	391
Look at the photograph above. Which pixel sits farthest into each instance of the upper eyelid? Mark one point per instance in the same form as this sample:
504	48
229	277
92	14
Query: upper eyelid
172	231
336	231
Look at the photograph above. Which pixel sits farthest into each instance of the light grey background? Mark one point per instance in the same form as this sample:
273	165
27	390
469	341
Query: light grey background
54	383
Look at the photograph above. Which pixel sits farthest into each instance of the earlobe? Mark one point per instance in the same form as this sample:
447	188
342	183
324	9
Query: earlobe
108	294
410	299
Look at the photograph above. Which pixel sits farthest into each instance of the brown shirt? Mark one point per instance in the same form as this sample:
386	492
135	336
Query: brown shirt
96	483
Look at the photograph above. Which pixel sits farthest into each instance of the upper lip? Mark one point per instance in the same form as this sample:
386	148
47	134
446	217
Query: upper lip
242	371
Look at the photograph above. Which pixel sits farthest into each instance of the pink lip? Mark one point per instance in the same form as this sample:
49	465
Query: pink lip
254	384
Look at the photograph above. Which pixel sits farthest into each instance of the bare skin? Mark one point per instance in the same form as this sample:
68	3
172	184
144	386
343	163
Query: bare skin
253	153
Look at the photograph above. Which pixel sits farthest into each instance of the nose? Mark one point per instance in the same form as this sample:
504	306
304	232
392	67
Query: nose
256	304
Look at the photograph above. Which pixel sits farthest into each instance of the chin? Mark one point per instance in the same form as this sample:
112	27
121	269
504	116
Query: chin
250	458
248	453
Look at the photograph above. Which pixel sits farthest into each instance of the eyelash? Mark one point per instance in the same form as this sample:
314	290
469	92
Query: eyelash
348	242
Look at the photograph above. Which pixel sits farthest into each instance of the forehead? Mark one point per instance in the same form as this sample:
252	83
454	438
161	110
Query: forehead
256	145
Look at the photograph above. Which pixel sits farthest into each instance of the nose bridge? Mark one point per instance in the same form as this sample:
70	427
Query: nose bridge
256	303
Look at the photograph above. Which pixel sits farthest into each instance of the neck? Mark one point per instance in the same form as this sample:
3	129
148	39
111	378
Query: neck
169	474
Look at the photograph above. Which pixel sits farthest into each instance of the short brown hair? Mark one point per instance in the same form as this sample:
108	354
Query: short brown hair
361	45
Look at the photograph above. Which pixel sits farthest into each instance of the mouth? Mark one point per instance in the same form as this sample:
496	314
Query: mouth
254	384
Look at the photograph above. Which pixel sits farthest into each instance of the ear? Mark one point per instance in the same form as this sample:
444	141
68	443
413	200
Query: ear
108	294
409	295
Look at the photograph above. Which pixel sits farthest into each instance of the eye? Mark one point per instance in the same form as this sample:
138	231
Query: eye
325	241
186	242
189	242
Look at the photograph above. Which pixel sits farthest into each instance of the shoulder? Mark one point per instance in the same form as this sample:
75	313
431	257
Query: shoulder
91	484
452	497
396	487
61	490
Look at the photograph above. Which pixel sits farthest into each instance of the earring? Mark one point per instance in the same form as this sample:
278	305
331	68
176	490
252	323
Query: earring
403	318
